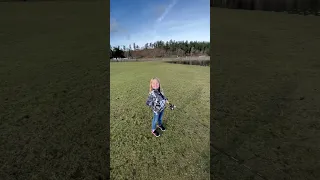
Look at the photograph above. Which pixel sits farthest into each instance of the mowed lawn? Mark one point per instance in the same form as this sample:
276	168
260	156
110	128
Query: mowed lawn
266	74
183	150
53	91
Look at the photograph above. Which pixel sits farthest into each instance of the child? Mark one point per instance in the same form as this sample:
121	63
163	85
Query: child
157	102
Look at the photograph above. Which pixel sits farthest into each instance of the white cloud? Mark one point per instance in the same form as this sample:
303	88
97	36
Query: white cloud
166	11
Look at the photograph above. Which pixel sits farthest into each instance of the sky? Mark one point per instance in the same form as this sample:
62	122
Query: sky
147	21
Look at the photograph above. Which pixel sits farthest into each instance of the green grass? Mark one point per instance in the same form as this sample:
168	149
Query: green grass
53	80
182	152
266	74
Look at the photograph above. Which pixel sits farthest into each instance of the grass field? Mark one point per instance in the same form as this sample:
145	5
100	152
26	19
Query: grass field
53	90
266	74
182	152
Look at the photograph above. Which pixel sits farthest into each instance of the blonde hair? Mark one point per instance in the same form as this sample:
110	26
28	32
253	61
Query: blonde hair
157	79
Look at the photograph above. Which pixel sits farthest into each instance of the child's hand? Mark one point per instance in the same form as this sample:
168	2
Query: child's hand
172	107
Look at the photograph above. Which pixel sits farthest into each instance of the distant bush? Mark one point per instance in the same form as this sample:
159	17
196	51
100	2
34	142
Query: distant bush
191	62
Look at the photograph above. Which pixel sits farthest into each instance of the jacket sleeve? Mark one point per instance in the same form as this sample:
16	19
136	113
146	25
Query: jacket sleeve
164	96
150	100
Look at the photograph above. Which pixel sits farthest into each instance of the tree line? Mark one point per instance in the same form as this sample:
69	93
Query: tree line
291	6
162	49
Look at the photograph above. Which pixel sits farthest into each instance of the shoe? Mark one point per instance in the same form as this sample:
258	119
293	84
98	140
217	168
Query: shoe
162	128
155	133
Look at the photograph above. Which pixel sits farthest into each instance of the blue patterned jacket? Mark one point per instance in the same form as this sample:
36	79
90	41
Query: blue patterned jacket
157	101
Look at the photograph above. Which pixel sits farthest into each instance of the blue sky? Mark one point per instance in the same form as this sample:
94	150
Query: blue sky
142	21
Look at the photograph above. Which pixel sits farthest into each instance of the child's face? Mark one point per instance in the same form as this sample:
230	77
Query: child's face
155	84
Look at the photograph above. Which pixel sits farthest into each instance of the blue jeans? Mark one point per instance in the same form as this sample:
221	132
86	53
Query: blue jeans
156	118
